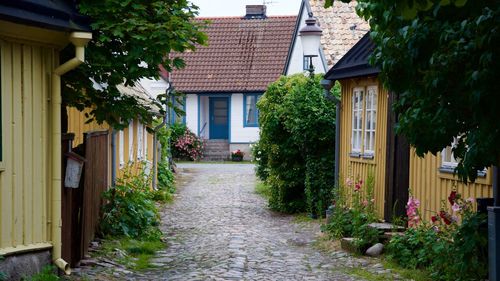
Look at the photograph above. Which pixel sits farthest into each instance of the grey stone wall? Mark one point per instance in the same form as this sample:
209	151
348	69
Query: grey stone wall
23	265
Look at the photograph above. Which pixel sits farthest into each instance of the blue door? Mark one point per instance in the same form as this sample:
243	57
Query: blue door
219	118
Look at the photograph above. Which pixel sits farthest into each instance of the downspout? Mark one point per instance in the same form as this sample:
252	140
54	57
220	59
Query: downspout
327	86
113	157
79	39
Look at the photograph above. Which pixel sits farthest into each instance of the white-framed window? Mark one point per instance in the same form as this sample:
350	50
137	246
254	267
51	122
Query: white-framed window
131	141
364	121
357	119
447	158
140	141
145	151
370	119
121	145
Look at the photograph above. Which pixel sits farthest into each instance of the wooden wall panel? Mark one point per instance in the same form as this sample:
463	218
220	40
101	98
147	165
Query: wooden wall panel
358	168
432	187
24	175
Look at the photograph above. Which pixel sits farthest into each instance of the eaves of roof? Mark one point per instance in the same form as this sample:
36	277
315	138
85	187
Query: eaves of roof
51	14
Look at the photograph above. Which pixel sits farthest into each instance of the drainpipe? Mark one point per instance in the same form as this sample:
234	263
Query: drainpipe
494	230
113	157
79	39
327	85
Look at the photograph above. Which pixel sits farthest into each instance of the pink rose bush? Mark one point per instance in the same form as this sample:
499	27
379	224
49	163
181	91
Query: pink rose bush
188	146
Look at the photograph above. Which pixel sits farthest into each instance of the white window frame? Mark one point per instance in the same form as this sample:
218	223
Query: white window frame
370	118
131	141
357	125
140	139
121	145
447	158
145	152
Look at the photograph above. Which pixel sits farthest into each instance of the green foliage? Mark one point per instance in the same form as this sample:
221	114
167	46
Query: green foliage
443	61
165	175
185	144
354	210
455	254
47	274
263	189
259	156
130	40
296	143
130	209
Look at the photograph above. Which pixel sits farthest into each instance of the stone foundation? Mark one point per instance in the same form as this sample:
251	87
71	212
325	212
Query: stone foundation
16	267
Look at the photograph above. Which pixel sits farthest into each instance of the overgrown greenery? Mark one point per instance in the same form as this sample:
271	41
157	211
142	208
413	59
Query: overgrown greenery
449	250
165	176
134	254
48	273
295	152
353	211
129	209
185	144
442	59
130	40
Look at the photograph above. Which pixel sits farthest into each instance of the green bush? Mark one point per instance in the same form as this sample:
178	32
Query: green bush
259	156
185	145
297	136
129	209
448	249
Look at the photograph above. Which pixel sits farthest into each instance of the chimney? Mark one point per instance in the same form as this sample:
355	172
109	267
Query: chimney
256	12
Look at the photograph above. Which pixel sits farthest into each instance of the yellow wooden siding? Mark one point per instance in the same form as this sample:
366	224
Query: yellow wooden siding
358	168
24	180
431	186
76	125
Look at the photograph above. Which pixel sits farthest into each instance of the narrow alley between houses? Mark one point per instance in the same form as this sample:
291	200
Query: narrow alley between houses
219	228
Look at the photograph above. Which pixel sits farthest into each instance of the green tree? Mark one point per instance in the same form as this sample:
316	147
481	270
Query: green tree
130	40
442	58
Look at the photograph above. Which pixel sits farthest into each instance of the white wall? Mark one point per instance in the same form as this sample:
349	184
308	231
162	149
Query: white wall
154	87
239	133
296	59
192	112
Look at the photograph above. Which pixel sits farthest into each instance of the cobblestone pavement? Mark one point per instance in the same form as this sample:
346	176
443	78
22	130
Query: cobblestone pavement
218	228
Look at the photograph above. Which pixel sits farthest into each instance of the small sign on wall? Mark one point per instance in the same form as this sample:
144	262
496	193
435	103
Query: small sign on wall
74	167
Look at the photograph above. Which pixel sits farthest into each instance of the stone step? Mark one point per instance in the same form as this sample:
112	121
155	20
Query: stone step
386	227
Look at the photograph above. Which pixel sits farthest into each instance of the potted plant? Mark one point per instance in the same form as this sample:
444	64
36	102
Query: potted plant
237	155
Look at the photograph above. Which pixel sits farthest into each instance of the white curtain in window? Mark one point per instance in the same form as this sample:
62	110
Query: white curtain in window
370	119
140	138
121	155
251	109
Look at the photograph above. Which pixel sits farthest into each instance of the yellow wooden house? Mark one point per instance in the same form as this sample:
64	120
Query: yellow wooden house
31	37
367	143
130	149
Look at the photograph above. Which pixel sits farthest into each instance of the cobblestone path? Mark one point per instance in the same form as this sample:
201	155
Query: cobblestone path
219	229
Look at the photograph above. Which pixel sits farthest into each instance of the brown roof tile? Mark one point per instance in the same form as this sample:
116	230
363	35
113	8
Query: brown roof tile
342	28
242	55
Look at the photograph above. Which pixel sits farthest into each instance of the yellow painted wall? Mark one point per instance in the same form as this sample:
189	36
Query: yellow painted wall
431	186
427	183
76	125
25	170
356	167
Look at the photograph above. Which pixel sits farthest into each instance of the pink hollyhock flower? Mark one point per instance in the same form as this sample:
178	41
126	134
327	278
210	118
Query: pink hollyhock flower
365	203
348	182
470	200
455	207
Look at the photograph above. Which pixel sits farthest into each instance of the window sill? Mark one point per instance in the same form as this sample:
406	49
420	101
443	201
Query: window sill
355	154
251	126
450	170
367	156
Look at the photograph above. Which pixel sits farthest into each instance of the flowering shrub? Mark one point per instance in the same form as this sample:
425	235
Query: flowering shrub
187	145
452	246
237	153
354	210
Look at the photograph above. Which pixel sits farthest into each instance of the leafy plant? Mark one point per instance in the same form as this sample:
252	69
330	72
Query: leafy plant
450	250
47	274
296	131
129	209
131	39
185	144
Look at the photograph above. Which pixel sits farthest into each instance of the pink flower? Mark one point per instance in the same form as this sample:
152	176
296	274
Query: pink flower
348	182
470	200
455	207
365	203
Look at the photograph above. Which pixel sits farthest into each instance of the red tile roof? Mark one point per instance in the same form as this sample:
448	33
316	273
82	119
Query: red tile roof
242	55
